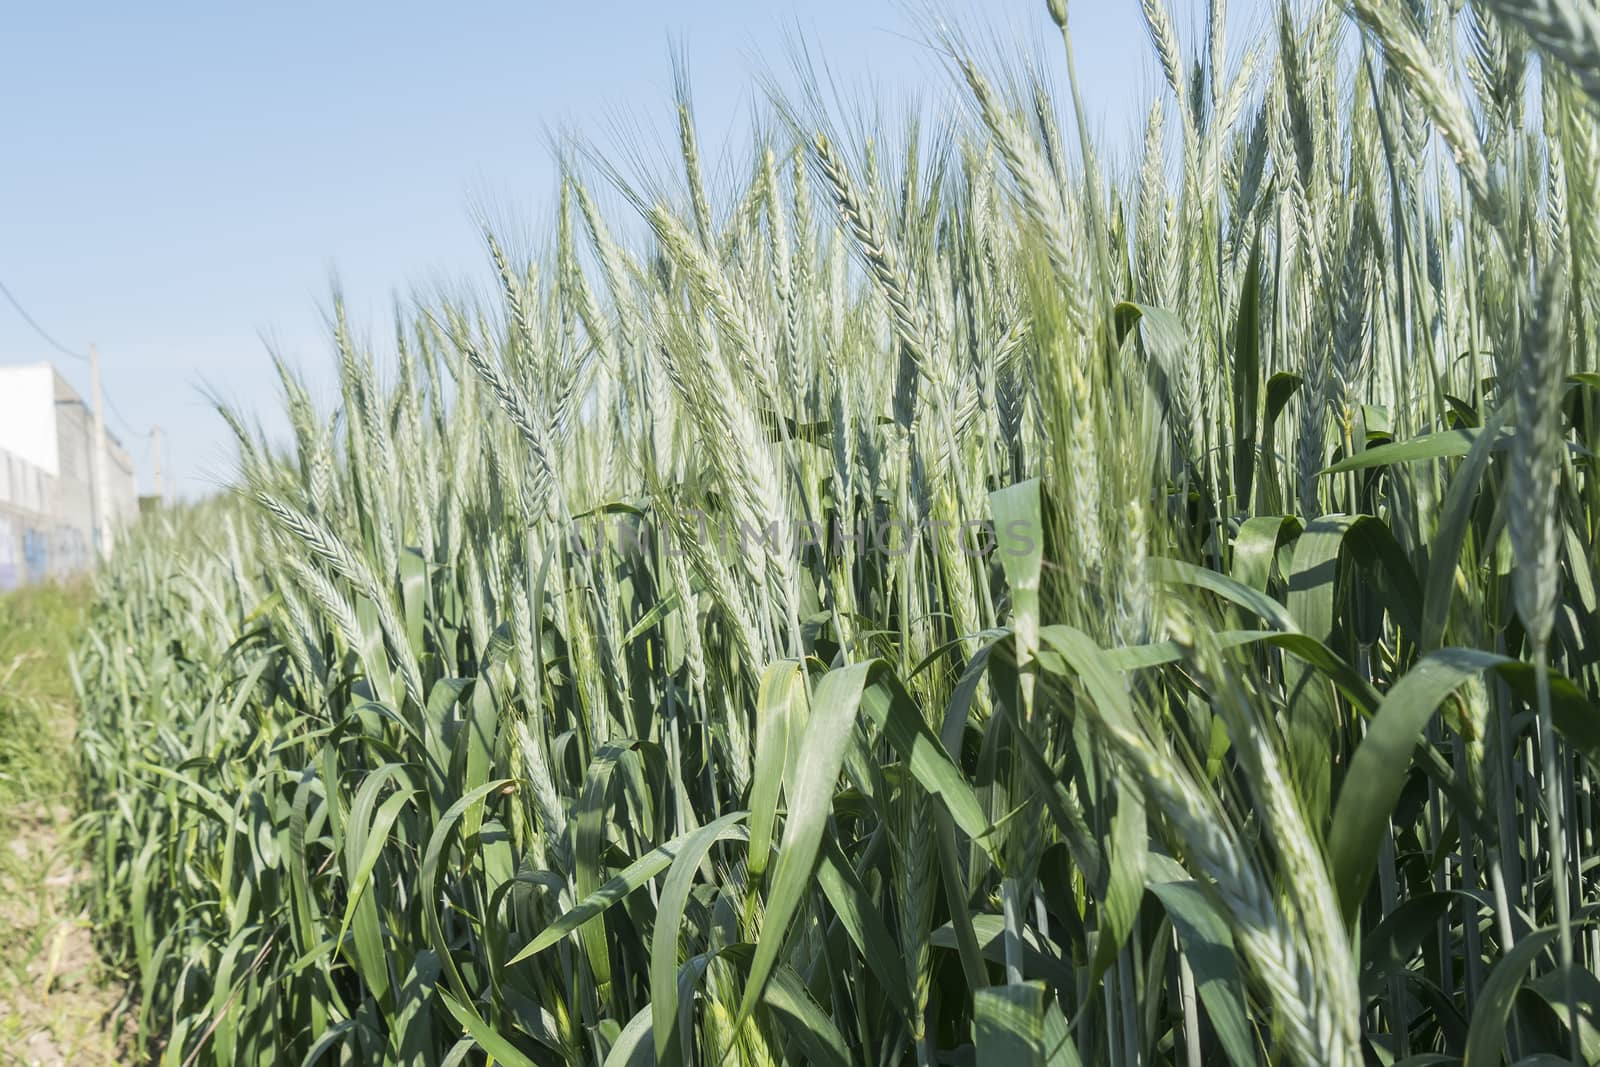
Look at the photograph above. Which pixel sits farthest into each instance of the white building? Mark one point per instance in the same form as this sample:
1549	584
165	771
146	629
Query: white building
48	512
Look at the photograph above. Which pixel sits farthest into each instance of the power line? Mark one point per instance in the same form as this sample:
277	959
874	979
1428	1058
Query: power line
111	405
127	424
40	330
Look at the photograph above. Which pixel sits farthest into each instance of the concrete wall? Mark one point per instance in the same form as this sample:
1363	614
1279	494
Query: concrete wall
35	542
47	520
74	503
28	414
124	479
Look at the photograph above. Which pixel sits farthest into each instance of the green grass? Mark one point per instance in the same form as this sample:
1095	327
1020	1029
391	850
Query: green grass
39	625
57	1003
1264	734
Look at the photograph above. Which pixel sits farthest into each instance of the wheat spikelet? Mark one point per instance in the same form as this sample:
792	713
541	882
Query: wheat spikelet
329	599
734	319
1568	29
1164	39
690	146
1277	958
877	251
1536	459
1041	195
332	551
519	410
1405	47
1351	352
1297	115
1151	210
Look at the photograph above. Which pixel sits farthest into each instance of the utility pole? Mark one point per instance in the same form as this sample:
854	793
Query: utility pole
100	491
158	485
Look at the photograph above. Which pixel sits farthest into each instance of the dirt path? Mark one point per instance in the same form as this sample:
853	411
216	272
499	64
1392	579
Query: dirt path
57	1006
57	1003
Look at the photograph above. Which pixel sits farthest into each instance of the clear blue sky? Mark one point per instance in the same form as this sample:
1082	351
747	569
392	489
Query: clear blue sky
183	179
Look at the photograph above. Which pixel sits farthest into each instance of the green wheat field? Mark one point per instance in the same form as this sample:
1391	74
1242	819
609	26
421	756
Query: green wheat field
964	593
